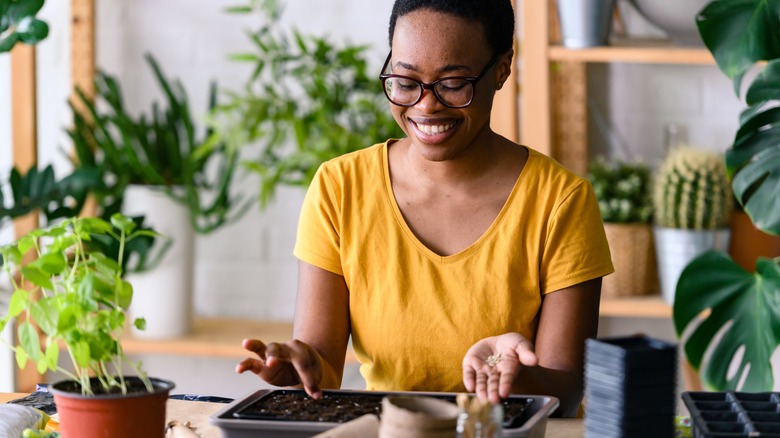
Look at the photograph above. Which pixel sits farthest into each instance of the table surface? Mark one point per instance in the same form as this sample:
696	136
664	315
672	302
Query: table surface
197	414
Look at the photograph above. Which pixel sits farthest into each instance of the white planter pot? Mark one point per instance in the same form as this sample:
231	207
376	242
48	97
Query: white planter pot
163	295
675	248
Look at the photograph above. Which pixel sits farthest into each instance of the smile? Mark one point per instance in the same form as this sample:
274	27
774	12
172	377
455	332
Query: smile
433	129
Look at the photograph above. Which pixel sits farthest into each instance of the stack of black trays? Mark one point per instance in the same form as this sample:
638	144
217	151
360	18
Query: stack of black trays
630	385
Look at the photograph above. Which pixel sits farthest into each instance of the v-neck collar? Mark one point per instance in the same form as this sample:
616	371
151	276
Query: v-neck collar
474	246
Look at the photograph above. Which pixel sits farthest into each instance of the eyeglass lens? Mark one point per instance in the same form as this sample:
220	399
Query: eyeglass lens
451	92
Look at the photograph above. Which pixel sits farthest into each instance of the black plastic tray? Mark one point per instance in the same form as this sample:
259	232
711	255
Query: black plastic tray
516	409
245	417
732	414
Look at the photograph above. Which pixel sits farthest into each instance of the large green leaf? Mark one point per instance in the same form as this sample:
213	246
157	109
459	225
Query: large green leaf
740	33
743	315
18	23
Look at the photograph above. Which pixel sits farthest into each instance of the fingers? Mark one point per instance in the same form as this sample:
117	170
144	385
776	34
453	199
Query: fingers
250	364
308	366
255	346
284	364
525	353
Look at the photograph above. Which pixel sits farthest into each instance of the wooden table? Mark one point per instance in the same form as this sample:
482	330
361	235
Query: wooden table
197	413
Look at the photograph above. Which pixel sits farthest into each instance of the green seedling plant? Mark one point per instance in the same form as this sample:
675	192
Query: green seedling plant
72	296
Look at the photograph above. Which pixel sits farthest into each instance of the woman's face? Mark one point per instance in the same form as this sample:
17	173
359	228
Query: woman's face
430	45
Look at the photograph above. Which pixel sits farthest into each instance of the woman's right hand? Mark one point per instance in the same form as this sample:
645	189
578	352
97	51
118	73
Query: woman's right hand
284	364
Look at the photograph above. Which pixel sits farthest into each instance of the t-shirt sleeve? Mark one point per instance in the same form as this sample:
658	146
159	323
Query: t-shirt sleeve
576	248
318	240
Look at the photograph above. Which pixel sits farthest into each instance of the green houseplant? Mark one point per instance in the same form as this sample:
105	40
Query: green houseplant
306	90
157	164
743	320
161	148
82	308
622	190
18	23
692	206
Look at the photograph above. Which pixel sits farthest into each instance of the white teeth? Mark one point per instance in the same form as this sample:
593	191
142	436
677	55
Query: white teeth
434	129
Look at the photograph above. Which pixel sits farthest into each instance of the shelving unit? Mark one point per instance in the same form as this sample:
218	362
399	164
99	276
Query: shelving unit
553	104
221	337
217	337
553	101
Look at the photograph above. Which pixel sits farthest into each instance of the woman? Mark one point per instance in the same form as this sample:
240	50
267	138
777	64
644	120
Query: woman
455	258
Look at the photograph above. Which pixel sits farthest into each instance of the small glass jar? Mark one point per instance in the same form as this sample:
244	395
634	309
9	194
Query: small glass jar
486	422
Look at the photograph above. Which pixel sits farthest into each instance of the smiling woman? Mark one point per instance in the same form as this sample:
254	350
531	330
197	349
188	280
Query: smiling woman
488	248
451	247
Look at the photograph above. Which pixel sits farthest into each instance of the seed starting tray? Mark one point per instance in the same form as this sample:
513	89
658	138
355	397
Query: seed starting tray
259	413
734	414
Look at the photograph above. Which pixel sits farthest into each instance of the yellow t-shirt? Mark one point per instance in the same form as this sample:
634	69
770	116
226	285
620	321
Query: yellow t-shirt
413	313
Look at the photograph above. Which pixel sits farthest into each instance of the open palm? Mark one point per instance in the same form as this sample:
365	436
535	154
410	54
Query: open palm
491	364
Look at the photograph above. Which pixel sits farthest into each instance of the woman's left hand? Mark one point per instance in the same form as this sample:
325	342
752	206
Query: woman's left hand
490	365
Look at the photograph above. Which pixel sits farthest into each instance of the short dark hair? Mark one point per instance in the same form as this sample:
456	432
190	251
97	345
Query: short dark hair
496	16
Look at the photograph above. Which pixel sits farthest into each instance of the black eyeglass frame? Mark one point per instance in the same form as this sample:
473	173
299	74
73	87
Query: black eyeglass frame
432	86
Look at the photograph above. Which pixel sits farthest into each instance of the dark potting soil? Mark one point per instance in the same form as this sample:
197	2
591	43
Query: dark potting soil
287	405
134	386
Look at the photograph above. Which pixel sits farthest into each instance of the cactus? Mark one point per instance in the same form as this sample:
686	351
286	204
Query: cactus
692	190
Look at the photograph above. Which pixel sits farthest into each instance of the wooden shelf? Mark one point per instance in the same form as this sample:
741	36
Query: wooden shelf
636	307
635	51
217	337
221	337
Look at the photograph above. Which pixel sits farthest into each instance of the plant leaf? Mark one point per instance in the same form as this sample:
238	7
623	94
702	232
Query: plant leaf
29	340
37	277
21	357
748	301
81	353
19	302
740	33
52	355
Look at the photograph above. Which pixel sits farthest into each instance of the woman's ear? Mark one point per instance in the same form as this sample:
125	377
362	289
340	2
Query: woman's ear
504	68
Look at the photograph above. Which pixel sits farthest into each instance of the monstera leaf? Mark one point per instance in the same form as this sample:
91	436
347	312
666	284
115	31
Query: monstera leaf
743	306
18	23
739	33
40	190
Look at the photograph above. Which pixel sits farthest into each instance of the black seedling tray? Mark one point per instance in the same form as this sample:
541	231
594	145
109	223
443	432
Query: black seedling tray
340	407
257	413
732	414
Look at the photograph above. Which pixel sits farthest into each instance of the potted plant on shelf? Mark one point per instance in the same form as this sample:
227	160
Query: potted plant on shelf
741	325
692	201
159	166
77	298
303	89
623	192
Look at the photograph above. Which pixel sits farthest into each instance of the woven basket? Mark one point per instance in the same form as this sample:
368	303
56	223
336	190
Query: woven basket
633	255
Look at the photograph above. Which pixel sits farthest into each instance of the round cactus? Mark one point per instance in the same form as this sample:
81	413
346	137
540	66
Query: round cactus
692	190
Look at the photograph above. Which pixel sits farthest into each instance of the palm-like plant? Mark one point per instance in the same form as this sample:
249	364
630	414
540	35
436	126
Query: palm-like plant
744	306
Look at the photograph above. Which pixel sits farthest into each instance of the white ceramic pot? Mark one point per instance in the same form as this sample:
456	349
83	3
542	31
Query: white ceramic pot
675	248
163	295
677	18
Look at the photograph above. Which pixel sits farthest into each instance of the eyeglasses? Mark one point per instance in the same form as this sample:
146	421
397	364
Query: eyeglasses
452	91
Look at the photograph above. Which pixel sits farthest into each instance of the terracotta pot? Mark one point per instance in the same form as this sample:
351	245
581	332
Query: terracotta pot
748	243
137	414
633	256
